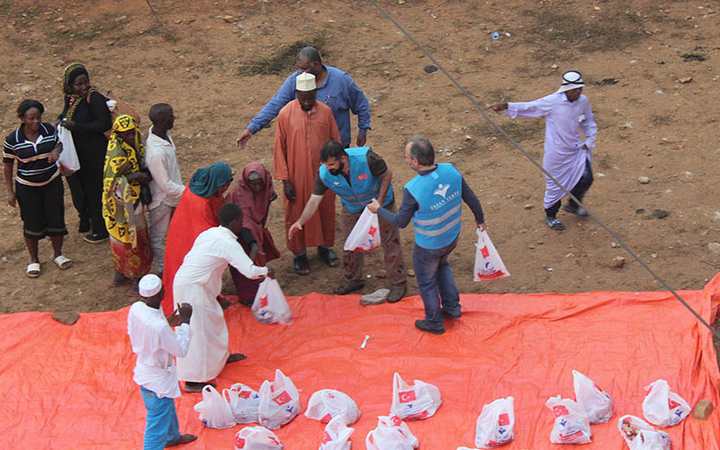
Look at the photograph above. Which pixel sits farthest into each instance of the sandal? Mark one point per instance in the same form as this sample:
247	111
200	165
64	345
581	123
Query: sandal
554	224
63	262
33	270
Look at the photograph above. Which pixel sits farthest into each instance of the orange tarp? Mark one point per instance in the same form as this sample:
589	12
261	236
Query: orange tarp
71	387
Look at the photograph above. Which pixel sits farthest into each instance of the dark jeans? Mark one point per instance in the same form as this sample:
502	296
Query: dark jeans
435	282
579	191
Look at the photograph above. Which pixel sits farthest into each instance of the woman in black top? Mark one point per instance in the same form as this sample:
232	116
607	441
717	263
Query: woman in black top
86	114
38	186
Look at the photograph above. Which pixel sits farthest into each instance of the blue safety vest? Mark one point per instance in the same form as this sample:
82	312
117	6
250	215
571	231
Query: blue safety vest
439	197
364	185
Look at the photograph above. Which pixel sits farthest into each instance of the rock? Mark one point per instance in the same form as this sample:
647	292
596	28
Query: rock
659	214
430	68
643	180
618	262
714	247
411	273
554	67
529	206
614	245
25	88
66	317
228	19
716	216
120	19
703	409
685	80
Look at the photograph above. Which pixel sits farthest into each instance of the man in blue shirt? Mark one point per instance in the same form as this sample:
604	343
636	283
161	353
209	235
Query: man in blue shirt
433	200
358	175
335	88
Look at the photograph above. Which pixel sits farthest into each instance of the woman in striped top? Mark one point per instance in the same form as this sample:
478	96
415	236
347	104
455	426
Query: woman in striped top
38	189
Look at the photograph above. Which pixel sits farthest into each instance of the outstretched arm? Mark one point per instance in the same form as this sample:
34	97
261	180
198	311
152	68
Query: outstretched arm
536	108
284	95
310	208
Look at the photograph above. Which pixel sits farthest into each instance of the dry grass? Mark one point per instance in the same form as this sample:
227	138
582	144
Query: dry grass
279	62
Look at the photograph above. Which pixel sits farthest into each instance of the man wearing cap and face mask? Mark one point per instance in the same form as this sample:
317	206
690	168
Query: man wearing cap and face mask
567	157
155	344
303	126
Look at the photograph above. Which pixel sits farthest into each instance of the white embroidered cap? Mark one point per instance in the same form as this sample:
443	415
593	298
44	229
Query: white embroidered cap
149	285
305	82
572	79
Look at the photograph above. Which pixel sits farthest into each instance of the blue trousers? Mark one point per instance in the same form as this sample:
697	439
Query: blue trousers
161	425
435	282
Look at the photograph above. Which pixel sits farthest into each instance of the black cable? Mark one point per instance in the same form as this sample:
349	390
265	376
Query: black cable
616	237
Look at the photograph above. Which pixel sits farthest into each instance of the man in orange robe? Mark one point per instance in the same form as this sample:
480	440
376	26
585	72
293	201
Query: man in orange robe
303	127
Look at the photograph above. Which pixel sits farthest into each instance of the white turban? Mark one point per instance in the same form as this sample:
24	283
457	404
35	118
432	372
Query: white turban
572	79
305	82
149	285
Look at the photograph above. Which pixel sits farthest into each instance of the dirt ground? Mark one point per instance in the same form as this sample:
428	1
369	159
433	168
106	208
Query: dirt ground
653	72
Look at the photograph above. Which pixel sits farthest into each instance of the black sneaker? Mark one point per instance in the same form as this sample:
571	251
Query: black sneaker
430	327
397	293
348	287
452	314
301	265
554	224
95	238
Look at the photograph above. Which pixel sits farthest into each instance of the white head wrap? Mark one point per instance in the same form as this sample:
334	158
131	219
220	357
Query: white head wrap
305	82
572	79
149	285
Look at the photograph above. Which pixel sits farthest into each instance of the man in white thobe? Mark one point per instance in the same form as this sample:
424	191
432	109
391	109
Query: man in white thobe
156	345
166	185
198	282
567	156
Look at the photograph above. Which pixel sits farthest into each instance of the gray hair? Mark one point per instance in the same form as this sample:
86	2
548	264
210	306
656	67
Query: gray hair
421	149
310	54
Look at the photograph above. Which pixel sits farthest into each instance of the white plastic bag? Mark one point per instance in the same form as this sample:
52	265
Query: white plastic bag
68	162
279	401
365	235
662	407
327	404
597	403
414	401
391	433
337	435
244	402
213	409
257	438
571	424
639	435
488	265
495	424
270	305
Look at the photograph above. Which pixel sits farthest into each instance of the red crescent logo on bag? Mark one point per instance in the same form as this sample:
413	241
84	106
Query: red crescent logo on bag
503	419
672	404
263	301
485	252
396	421
283	398
406	396
244	394
326	418
239	442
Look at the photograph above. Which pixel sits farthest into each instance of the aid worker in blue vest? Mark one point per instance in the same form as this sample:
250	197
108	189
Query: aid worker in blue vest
358	175
433	200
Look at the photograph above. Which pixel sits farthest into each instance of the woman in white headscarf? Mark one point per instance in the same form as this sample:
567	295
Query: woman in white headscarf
567	156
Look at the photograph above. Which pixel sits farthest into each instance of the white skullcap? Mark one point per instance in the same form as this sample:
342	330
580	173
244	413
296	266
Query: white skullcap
149	285
305	82
572	79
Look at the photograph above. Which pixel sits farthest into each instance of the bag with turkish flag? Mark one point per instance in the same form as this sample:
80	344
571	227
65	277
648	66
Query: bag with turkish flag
327	404
257	438
488	265
270	305
279	401
391	433
495	424
571	424
414	401
243	401
337	435
365	235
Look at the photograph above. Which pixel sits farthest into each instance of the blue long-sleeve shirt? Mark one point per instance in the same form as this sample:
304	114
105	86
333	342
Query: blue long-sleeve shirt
338	91
410	205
